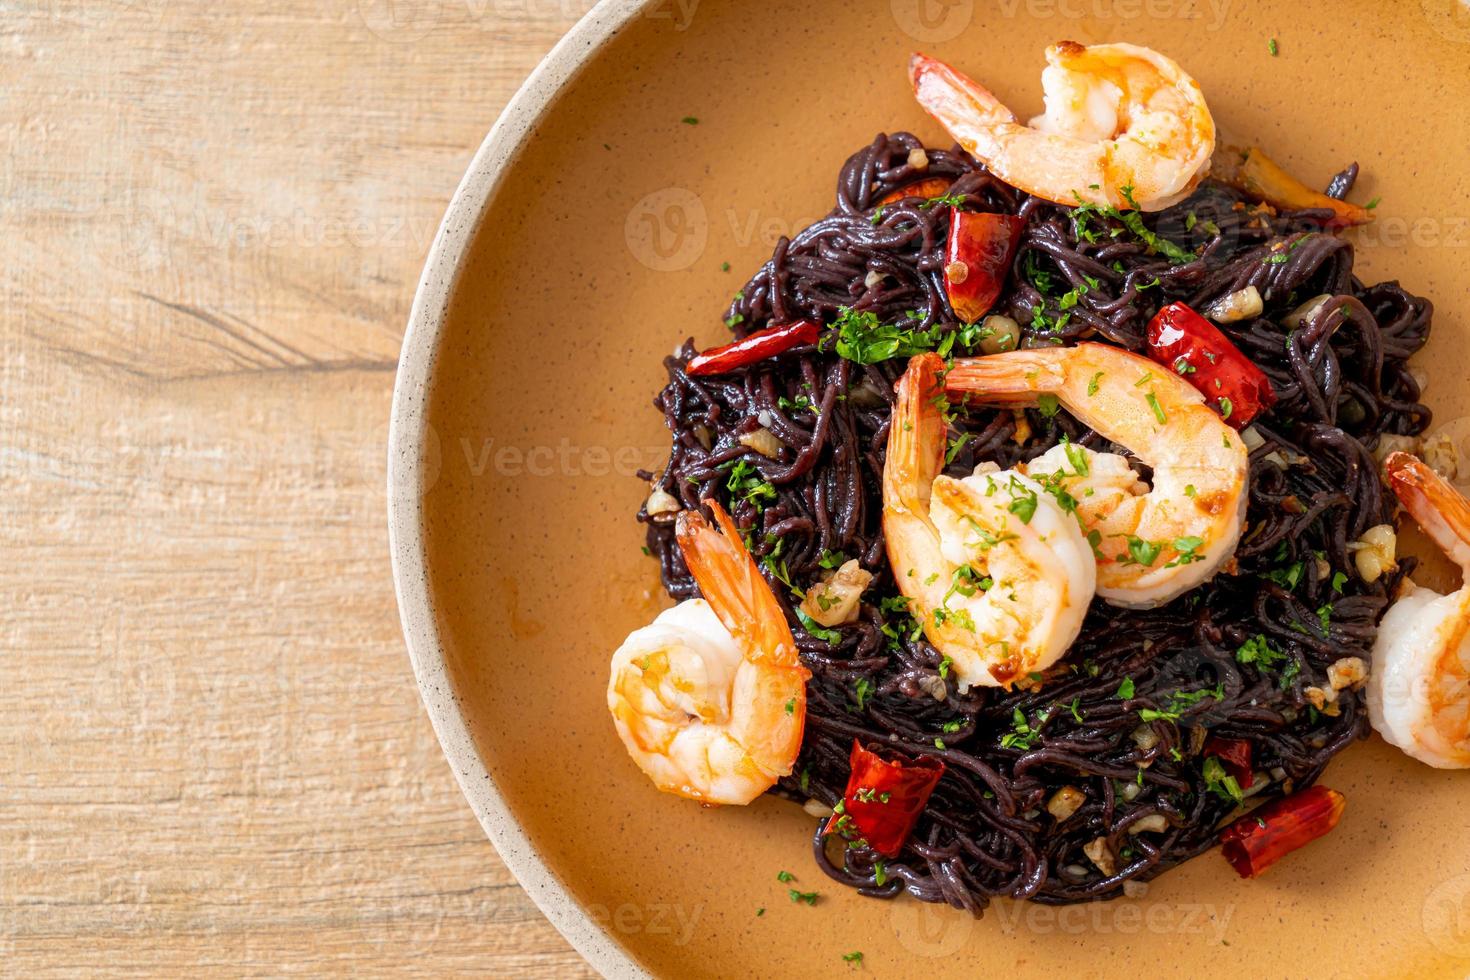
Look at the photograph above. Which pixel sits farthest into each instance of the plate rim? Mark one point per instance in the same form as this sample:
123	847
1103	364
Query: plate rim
407	444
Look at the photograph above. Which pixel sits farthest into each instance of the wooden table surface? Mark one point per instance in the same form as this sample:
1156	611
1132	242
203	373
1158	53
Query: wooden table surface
212	753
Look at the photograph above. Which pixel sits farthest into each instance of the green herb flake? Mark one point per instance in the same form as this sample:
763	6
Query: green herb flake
1273	47
808	897
1092	384
1048	405
855	958
1153	403
1126	690
690	120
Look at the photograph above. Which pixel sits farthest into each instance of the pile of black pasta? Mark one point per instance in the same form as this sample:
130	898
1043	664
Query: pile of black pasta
1340	373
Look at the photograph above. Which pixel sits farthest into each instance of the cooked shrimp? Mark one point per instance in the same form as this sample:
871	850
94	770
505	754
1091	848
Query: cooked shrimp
1152	544
710	699
1419	687
1117	116
997	573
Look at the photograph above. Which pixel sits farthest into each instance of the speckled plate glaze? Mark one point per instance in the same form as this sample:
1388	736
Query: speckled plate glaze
590	236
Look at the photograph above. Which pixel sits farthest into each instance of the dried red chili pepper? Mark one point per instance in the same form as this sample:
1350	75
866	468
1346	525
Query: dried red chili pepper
885	795
1196	350
1261	838
756	347
929	187
1235	755
977	259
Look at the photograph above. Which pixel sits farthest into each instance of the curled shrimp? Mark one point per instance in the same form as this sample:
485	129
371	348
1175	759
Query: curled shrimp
1117	116
998	575
1152	543
710	699
1419	686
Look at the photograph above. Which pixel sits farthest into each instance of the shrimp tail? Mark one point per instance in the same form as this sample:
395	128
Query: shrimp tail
732	585
1440	509
915	436
1012	379
964	107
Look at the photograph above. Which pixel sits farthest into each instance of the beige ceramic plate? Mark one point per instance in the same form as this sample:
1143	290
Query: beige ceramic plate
588	238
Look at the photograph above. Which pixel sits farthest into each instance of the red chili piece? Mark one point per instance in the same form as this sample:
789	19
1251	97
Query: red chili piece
756	347
885	795
1235	755
1195	349
1261	838
977	259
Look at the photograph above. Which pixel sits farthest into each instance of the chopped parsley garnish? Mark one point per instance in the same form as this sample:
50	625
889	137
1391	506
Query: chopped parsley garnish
1092	384
1126	689
1153	403
1372	204
1132	222
690	120
944	200
1273	47
864	691
1259	651
863	339
1338	581
746	483
1222	783
724	267
1179	701
1024	734
817	630
1187	548
1048	404
784	876
808	897
855	958
880	873
1140	551
791	706
944	666
832	559
1077	456
1023	504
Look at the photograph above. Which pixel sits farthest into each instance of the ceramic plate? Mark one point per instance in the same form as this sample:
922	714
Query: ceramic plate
590	236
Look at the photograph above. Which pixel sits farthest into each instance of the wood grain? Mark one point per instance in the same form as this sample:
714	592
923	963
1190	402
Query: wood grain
212	752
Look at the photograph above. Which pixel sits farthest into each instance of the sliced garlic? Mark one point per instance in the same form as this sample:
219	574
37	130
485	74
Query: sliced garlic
763	441
1374	553
1240	305
872	279
1145	737
1065	802
1440	455
918	159
1100	855
660	501
835	600
1299	316
1154	823
1347	672
817	808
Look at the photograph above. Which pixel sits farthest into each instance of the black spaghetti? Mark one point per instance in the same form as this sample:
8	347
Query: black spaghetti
1257	640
